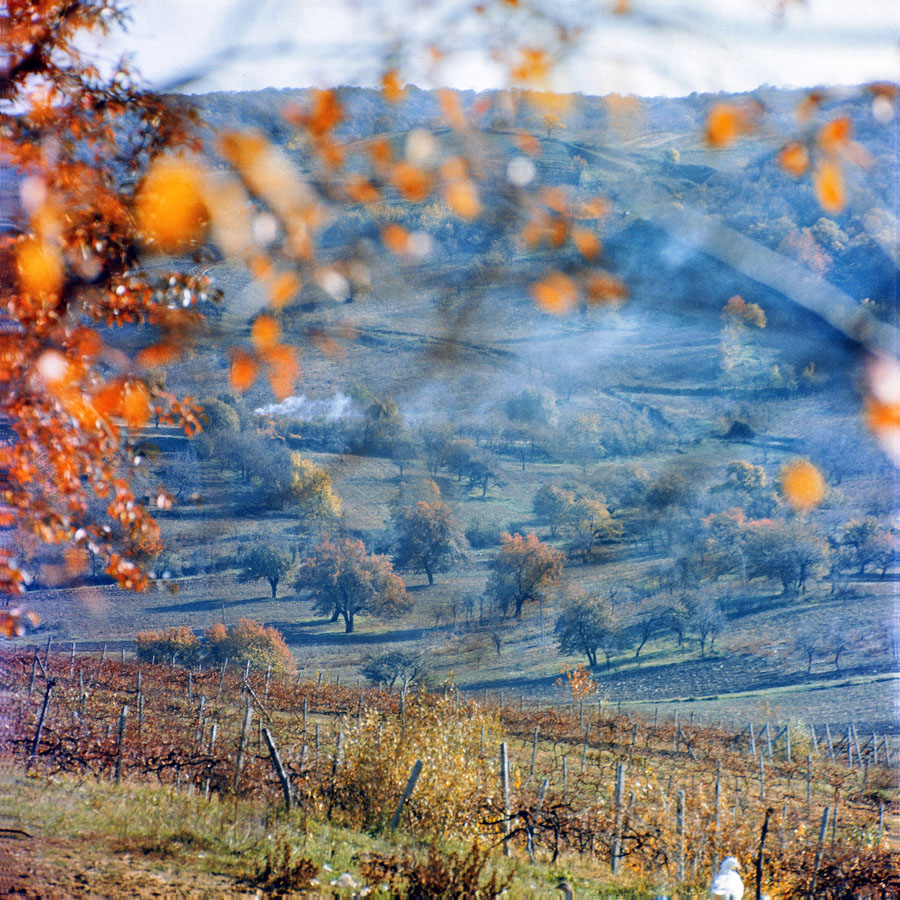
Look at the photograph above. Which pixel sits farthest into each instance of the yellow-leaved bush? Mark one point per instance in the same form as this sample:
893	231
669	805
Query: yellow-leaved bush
459	786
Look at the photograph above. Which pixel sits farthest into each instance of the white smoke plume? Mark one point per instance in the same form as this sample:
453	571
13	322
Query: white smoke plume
340	406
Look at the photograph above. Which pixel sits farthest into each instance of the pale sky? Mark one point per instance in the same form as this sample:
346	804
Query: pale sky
662	47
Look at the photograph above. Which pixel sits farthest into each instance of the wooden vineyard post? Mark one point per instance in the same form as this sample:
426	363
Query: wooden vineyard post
760	858
752	741
787	743
242	744
123	719
584	749
718	806
504	784
305	714
221	680
762	781
34	662
679	828
212	737
534	743
829	743
617	842
40	725
407	792
279	768
808	785
823	828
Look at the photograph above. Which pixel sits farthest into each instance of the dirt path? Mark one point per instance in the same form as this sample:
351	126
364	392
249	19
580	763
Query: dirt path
55	869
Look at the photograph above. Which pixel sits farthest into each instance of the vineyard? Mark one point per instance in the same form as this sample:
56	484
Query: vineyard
634	805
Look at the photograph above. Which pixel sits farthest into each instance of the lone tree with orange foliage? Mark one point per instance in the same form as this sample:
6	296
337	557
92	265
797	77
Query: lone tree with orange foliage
523	571
347	581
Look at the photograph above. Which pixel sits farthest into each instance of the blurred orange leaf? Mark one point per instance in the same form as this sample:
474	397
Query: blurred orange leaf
794	159
724	123
169	206
381	153
282	369
395	238
264	332
802	485
39	267
413	183
586	242
462	197
325	114
283	288
391	88
533	66
361	190
135	404
606	288
243	370
556	294
527	143
160	354
452	109
835	134
828	181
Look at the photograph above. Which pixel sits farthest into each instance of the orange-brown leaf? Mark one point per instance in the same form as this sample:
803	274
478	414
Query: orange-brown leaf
828	181
169	208
724	123
243	370
556	294
381	153
282	369
283	288
361	190
159	354
325	114
452	109
835	134
264	332
462	197
586	242
39	267
391	89
135	408
395	238
794	159
412	182
606	288
802	484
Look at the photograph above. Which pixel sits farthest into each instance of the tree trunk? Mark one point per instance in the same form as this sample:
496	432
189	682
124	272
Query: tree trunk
273	583
430	575
348	620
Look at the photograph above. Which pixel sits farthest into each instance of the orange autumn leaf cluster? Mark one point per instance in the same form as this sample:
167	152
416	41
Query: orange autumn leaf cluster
802	485
726	122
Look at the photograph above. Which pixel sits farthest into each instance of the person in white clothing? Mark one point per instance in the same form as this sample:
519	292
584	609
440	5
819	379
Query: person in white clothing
727	884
